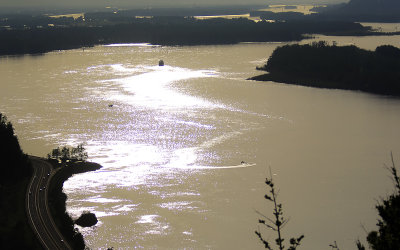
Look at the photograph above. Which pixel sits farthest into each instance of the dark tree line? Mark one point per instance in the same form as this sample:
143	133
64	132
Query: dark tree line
77	153
15	165
330	66
21	21
15	172
165	31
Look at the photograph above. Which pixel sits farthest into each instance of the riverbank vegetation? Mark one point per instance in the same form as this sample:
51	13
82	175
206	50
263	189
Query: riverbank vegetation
16	170
341	67
67	162
65	153
164	31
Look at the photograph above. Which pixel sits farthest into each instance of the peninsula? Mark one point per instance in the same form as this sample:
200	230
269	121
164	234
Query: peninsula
32	201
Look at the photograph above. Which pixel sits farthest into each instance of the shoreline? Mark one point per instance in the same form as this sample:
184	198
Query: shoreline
171	31
316	83
23	53
57	198
322	65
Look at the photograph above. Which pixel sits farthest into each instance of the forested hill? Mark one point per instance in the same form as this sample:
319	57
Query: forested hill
366	11
15	165
16	170
329	66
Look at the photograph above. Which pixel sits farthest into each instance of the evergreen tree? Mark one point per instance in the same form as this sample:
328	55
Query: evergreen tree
15	164
387	237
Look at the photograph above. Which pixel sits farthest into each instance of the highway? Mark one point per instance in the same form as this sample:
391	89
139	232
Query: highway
37	206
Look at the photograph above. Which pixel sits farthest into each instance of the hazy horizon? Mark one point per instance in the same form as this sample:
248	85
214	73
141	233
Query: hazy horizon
131	4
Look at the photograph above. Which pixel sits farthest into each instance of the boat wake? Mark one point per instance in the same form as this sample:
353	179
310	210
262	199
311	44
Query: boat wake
242	165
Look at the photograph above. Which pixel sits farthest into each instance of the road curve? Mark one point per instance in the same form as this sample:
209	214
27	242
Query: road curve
37	208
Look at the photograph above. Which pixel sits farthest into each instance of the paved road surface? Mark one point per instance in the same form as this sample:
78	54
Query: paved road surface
37	207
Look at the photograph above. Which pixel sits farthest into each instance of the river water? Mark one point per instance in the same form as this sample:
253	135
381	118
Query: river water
173	141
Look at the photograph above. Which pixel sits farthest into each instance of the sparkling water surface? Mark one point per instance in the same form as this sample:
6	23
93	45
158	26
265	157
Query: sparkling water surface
171	141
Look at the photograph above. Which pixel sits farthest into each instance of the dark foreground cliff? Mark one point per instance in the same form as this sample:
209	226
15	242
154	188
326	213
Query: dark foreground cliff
16	171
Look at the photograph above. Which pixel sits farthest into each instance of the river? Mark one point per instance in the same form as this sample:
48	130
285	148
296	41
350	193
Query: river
172	139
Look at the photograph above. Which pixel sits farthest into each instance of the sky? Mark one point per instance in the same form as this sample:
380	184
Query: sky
144	3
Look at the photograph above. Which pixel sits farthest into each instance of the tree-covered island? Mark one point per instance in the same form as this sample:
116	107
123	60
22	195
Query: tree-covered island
337	67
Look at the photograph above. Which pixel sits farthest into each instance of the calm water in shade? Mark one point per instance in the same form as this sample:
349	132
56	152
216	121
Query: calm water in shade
172	143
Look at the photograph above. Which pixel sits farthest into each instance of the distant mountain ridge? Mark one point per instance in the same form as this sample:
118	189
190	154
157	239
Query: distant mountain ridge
366	10
373	6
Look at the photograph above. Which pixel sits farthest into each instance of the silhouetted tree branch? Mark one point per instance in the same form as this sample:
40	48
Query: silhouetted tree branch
277	222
